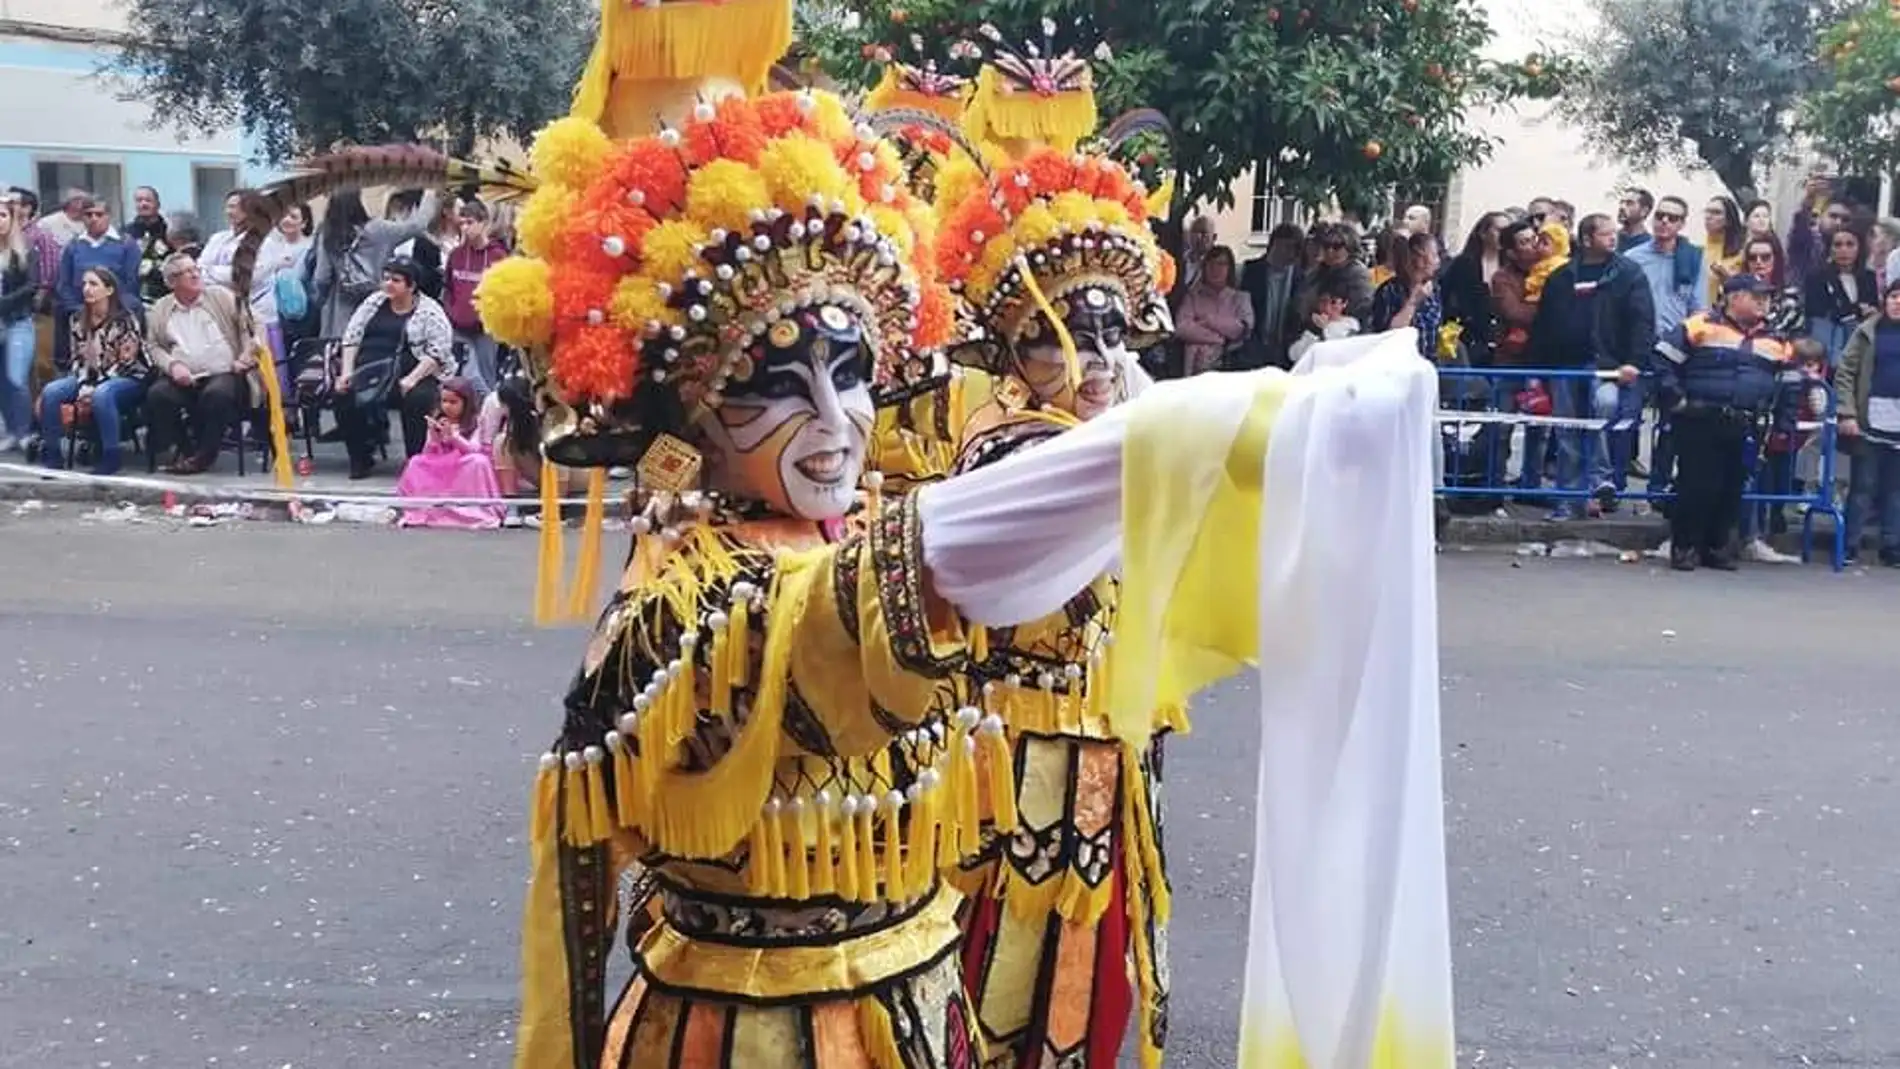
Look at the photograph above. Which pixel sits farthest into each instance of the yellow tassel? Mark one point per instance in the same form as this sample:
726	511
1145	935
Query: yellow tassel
880	1038
771	833
798	861
580	597
848	886
739	643
602	826
656	748
980	644
867	848
721	663
545	819
923	840
1063	338
279	429
824	873
626	781
969	809
758	874
547	583
577	825
1002	773
894	848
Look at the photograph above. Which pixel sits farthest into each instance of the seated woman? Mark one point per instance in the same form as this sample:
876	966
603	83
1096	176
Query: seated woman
405	334
452	465
108	377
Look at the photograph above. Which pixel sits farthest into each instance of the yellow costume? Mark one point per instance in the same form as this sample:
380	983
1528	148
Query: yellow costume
765	721
1074	900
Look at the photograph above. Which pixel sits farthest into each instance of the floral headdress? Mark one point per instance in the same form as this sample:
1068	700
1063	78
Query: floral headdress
657	267
1045	227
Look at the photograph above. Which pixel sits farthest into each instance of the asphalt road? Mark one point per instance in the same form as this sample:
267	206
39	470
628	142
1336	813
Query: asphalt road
262	790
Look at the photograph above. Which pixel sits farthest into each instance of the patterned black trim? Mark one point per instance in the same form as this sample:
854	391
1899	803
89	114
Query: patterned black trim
803	998
588	935
897	554
804	728
1003	441
846	567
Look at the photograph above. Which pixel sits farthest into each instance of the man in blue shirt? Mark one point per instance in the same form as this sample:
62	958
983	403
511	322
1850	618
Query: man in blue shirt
99	246
1673	265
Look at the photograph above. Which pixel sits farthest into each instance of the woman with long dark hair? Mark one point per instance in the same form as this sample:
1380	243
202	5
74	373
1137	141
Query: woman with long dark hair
1467	286
109	372
1840	293
1764	258
1758	218
1722	254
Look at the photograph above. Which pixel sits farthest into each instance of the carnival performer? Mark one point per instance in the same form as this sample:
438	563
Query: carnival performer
1056	263
769	718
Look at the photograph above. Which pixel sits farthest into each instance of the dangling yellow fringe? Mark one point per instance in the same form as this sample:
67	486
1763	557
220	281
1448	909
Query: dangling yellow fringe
880	1038
706	814
580	597
1002	777
279	429
768	855
848	885
1063	337
603	817
798	863
578	824
739	643
824	872
721	664
979	643
627	805
547	801
867	848
894	850
921	856
969	813
1141	845
547	584
1060	120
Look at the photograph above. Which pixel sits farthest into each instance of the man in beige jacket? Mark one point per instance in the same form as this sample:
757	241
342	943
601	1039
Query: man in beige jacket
207	368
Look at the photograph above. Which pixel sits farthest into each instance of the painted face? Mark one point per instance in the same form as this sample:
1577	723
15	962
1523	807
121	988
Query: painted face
793	433
1098	322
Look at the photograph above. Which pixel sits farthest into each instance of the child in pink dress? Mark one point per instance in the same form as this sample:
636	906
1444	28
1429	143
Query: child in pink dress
453	464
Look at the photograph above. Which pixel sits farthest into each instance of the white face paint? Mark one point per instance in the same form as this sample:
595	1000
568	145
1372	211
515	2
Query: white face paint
793	435
1099	326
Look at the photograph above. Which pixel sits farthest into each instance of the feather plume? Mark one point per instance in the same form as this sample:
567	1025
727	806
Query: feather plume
1132	124
891	122
406	166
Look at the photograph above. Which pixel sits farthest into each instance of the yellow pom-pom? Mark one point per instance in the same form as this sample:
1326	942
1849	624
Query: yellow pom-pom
831	119
541	221
671	249
796	167
1074	208
892	224
516	301
570	152
723	194
996	257
637	302
1114	214
1036	226
957	181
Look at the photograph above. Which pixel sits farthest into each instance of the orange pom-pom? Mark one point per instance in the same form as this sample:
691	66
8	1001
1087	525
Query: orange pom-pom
779	114
582	299
650	174
733	133
935	320
1016	193
1164	278
605	236
973	225
1050	172
595	363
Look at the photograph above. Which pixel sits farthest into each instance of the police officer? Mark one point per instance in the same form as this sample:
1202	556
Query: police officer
1718	373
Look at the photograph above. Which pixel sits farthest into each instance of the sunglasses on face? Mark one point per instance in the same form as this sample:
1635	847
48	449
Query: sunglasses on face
1669	217
1761	257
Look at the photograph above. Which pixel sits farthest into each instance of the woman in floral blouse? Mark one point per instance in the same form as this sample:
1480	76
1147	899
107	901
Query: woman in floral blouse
109	373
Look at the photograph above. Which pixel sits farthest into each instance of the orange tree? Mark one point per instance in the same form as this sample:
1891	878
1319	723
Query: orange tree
1854	114
1343	98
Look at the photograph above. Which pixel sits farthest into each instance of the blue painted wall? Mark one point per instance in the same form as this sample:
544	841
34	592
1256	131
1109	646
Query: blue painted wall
166	169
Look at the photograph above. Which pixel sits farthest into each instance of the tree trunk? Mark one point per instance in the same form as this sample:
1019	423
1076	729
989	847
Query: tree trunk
1737	172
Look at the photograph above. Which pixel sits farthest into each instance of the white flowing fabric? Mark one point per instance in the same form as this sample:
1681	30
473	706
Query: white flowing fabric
1349	960
1349	954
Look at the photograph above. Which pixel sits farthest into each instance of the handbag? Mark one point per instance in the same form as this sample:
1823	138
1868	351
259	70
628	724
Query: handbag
371	382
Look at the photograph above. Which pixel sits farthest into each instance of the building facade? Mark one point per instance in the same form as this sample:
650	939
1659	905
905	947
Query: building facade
65	121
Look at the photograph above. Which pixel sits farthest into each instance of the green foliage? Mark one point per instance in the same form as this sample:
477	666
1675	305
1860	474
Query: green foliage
1855	115
305	77
1345	97
1708	84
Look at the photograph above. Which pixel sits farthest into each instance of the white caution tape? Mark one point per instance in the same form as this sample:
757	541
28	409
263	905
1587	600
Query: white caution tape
306	495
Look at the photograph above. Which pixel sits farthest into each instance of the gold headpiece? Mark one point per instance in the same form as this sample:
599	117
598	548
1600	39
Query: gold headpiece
656	266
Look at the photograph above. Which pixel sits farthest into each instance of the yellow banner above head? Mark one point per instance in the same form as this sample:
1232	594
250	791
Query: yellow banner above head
1017	117
656	58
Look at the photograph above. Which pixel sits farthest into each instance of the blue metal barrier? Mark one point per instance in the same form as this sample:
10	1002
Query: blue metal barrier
1480	410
